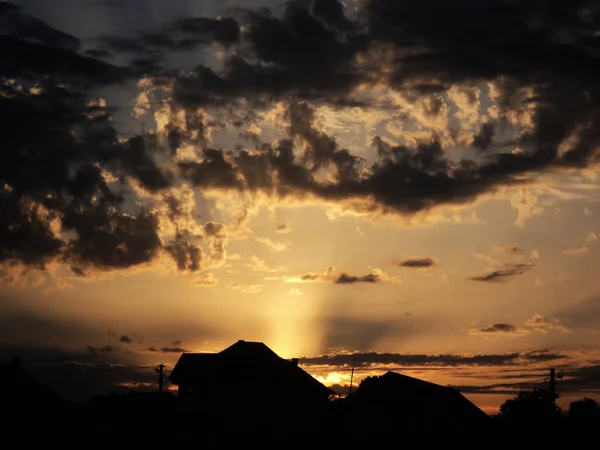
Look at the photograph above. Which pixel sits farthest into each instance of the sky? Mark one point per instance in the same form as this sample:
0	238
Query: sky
371	185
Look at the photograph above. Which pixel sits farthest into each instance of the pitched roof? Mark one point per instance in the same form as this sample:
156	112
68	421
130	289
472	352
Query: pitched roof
415	396
249	361
24	389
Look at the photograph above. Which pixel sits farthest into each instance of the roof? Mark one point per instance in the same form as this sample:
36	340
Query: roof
252	362
24	390
415	397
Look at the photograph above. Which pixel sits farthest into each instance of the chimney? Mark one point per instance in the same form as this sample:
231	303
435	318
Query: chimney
295	361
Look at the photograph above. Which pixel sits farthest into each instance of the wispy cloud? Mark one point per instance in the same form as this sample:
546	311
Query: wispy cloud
503	275
590	240
259	265
245	288
358	359
506	262
537	323
273	245
545	324
505	329
331	275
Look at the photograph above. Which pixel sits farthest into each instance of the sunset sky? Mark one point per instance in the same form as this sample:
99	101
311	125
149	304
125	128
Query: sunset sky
407	185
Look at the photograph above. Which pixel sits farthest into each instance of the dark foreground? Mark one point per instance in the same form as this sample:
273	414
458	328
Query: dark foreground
163	423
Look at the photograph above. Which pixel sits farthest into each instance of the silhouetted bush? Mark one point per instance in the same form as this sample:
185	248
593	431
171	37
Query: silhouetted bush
584	410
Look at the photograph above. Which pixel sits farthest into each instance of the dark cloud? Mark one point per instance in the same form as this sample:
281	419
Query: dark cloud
183	34
308	52
417	262
173	350
16	23
579	380
499	276
186	254
540	57
125	339
499	328
345	278
59	142
449	360
31	49
342	277
106	3
78	375
283	228
556	76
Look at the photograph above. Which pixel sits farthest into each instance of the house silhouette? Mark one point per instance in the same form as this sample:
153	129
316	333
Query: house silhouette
24	393
247	376
394	404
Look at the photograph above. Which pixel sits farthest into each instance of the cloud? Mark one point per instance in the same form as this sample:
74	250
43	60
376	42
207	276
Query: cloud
579	379
311	277
77	375
498	276
150	48
544	324
106	3
536	323
331	275
345	278
509	249
576	250
498	329
511	261
274	246
444	360
125	339
590	240
257	264
245	288
417	263
173	350
283	228
94	204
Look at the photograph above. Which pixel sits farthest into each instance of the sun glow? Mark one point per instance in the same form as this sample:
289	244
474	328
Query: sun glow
294	331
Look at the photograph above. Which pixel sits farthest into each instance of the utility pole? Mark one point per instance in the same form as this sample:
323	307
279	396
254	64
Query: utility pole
351	379
161	376
552	385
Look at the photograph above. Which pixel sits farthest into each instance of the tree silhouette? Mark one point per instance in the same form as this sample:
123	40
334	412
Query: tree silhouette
530	406
584	410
